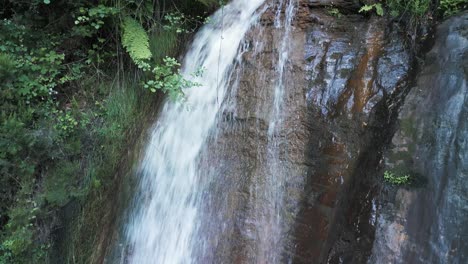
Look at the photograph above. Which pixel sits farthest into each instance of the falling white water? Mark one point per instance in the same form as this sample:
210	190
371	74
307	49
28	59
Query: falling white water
162	227
283	55
270	230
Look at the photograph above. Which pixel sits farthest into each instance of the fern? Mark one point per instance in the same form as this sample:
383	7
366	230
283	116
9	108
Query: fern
366	8
7	65
378	9
136	42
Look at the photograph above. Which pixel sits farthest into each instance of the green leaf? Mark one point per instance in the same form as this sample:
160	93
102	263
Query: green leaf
379	10
366	8
46	2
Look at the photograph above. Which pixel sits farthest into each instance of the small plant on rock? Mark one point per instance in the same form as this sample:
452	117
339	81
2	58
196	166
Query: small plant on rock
334	12
392	178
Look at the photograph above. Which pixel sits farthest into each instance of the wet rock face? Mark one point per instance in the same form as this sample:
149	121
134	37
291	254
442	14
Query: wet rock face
354	65
427	223
301	194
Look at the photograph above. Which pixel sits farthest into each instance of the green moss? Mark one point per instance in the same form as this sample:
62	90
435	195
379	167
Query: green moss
404	156
409	128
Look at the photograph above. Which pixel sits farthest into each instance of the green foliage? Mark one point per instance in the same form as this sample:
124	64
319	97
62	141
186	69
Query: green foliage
168	79
367	8
177	22
19	244
334	12
7	65
66	123
180	23
90	20
163	43
16	145
67	113
102	127
166	76
37	72
392	178
43	74
59	184
451	7
136	42
415	8
119	114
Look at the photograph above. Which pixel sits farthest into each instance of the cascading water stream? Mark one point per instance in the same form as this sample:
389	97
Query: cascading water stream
283	55
162	228
270	216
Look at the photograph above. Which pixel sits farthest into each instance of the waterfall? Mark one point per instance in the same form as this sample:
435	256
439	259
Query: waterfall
270	218
164	220
283	55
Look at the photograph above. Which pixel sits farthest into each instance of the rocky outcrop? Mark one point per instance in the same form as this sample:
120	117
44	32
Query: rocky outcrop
341	77
357	66
426	223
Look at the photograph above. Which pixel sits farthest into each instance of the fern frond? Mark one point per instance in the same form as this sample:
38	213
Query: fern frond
135	40
366	8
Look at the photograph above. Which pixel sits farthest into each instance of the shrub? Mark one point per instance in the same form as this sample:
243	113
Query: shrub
90	20
59	183
67	111
413	8
416	8
451	7
168	79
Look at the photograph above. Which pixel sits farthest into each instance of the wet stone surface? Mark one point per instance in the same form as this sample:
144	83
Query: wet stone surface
426	223
306	183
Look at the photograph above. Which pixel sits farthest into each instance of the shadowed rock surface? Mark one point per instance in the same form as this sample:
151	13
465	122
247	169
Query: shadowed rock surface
427	223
